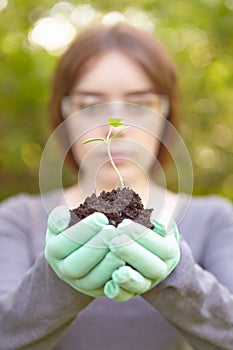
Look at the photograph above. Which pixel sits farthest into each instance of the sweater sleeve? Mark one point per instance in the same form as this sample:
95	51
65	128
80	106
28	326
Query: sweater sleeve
36	307
198	300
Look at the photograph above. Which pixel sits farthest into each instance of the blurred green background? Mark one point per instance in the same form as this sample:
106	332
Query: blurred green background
199	36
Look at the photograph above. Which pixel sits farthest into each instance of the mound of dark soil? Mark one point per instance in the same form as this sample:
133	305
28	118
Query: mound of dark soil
117	205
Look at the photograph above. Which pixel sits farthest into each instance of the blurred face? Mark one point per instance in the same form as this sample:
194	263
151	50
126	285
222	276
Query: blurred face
119	86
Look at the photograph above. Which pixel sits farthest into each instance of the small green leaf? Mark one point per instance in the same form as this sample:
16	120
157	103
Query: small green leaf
92	140
115	122
117	133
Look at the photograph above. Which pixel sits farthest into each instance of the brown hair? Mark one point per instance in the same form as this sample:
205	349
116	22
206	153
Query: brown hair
137	44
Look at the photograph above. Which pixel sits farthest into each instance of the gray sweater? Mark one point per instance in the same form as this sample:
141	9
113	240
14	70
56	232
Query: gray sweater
191	309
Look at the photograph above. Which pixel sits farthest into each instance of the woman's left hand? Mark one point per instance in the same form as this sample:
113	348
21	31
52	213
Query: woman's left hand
151	255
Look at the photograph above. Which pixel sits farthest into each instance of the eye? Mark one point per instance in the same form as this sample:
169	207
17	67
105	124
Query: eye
142	103
148	103
84	104
155	102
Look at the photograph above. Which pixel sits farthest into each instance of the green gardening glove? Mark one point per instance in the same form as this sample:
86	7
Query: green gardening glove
151	256
80	254
126	283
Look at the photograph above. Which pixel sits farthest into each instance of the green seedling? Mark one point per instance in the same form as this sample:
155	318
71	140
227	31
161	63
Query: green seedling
113	123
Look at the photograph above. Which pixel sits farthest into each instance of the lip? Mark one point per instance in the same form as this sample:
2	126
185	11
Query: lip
119	158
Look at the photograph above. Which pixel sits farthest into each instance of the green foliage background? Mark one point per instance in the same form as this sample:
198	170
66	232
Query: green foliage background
198	35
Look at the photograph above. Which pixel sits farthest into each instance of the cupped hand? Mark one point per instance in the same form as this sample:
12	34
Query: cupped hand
80	254
150	256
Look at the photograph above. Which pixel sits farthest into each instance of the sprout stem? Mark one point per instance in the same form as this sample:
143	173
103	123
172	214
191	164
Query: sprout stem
113	122
108	141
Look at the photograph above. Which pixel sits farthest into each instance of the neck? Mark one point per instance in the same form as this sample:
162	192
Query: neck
76	194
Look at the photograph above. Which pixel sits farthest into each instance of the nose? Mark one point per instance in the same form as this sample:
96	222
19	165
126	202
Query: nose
115	108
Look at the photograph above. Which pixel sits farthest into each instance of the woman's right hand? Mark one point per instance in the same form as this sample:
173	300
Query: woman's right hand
80	254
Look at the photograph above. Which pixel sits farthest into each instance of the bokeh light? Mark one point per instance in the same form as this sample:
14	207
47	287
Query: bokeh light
207	158
53	34
222	136
31	154
83	15
113	17
205	106
54	31
3	4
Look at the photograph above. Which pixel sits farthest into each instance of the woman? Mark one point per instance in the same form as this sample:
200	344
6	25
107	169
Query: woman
186	302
